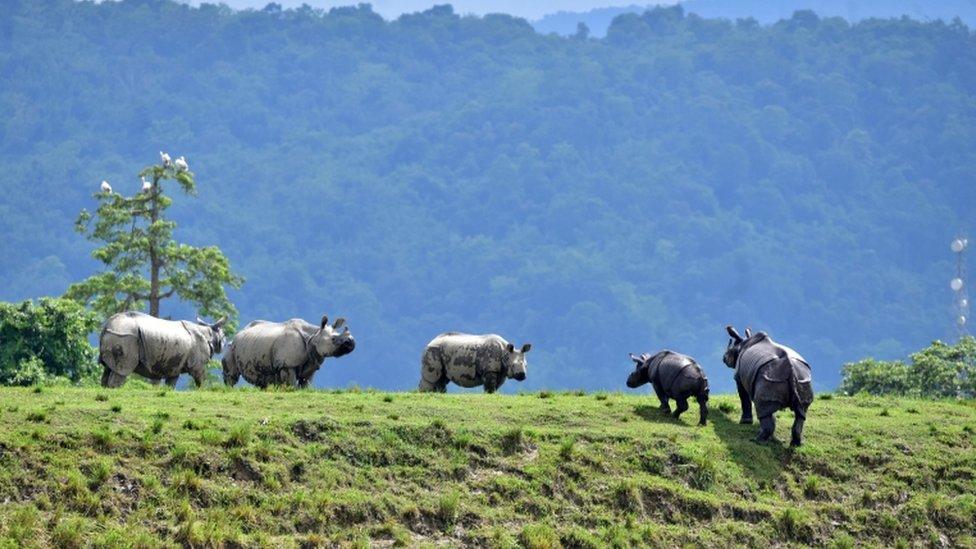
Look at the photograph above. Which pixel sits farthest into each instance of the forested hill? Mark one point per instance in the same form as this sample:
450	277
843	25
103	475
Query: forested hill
764	11
457	173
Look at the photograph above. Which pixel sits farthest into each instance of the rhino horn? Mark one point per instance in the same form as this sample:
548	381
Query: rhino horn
732	332
634	358
339	323
748	333
200	321
325	321
220	323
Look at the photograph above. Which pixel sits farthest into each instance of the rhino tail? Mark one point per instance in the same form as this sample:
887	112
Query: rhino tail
796	403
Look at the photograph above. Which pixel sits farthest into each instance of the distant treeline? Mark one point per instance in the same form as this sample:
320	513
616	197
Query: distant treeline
598	20
441	173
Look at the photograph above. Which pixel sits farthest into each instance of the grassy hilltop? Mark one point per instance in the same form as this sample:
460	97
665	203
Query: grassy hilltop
145	467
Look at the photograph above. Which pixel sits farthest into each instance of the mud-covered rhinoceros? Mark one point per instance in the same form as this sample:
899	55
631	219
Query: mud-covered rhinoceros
157	349
470	361
673	376
284	353
773	377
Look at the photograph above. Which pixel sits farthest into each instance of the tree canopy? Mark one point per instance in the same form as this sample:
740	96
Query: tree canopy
440	172
144	265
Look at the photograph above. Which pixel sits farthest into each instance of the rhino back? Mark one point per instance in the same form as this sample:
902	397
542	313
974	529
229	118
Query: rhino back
262	343
755	357
466	357
670	365
167	343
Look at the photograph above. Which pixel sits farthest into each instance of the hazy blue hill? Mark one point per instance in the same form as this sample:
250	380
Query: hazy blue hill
458	173
599	19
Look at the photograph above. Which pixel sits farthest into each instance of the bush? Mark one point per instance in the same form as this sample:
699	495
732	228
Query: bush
45	340
938	371
876	377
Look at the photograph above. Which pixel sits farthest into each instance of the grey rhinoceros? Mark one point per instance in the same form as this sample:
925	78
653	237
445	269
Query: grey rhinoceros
157	349
284	353
772	376
471	360
673	376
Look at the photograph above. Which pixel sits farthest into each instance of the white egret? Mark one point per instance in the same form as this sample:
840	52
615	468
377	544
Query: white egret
955	284
146	185
165	158
181	164
106	188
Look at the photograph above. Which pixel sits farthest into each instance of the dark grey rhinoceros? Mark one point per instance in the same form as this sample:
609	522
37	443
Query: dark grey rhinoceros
471	360
673	376
284	353
772	376
157	349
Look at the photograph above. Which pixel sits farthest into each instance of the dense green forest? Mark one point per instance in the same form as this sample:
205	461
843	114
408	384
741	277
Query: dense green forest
439	172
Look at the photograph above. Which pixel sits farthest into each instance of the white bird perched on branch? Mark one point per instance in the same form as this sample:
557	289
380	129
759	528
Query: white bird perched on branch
165	158
181	164
106	188
146	186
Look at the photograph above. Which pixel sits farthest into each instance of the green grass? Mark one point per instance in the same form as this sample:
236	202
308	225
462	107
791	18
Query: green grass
352	468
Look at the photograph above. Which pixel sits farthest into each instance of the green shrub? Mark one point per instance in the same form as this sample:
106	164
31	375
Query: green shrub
938	371
44	340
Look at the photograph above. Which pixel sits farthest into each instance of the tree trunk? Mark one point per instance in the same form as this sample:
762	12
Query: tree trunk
154	259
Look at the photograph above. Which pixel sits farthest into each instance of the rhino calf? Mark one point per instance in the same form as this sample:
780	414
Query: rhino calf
284	353
673	376
771	376
470	361
156	349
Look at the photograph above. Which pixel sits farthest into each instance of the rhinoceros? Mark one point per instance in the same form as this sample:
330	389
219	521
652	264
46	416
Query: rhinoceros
772	376
133	342
471	360
284	353
673	376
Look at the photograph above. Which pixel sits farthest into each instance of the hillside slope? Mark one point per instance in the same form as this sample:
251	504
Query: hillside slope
138	466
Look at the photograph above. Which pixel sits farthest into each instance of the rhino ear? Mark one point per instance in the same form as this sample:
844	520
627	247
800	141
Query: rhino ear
510	348
339	322
732	332
325	321
526	348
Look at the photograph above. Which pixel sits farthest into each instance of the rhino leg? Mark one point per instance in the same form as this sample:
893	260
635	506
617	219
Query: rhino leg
231	373
682	407
153	381
435	387
746	403
702	399
662	397
433	375
111	379
767	425
288	377
799	418
171	381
